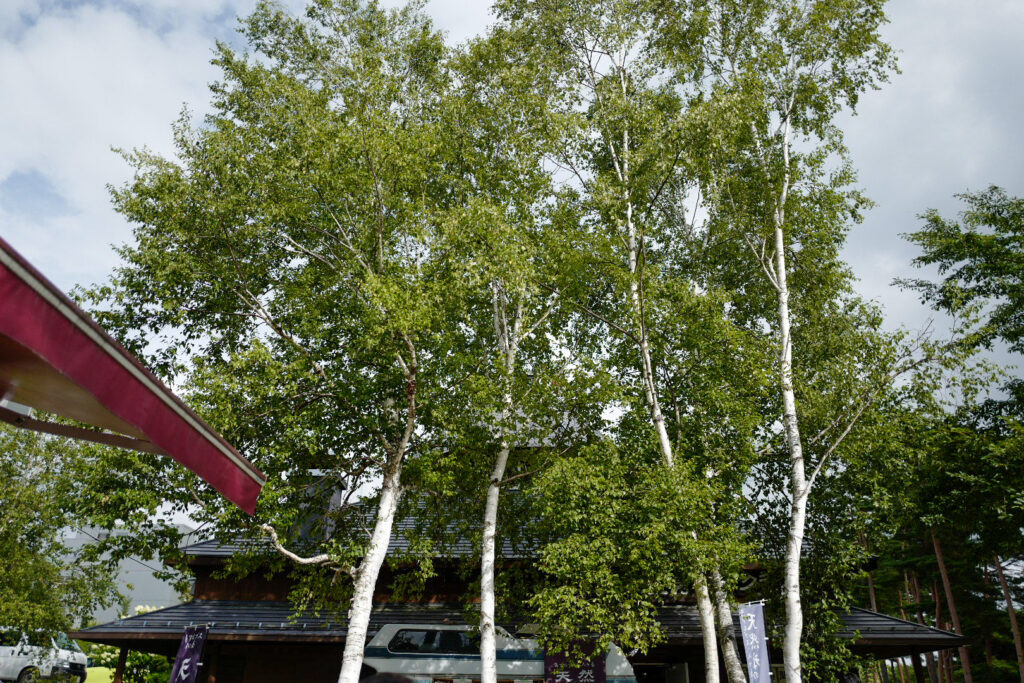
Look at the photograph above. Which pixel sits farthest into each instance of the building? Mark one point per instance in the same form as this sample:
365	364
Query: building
255	636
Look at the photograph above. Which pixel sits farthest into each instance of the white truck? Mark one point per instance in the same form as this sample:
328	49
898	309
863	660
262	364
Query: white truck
442	653
31	657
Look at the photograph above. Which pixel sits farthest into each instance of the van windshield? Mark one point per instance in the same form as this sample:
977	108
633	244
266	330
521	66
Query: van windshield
62	641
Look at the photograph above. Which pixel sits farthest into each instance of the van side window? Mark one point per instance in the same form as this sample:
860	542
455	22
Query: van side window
9	637
39	639
430	641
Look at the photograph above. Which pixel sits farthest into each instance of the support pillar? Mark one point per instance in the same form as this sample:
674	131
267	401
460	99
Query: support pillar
915	659
122	659
212	657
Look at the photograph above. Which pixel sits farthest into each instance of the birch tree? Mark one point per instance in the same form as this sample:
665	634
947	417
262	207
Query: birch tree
494	242
519	395
284	260
783	72
626	177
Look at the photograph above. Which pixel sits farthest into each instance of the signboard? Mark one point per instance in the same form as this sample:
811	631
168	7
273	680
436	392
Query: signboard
190	655
755	642
591	670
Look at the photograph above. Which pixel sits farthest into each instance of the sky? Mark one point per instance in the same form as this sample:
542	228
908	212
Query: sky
79	78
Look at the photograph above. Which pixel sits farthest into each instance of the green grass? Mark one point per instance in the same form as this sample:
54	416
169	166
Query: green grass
99	674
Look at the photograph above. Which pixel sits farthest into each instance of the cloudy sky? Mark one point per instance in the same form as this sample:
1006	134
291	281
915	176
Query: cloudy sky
78	77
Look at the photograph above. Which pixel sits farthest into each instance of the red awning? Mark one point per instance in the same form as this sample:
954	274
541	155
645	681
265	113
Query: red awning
55	358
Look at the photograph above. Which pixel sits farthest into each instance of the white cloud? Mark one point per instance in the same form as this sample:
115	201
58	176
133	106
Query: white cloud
461	20
80	78
948	123
78	82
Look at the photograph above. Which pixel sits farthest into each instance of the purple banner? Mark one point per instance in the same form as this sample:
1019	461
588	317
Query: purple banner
755	642
591	670
190	655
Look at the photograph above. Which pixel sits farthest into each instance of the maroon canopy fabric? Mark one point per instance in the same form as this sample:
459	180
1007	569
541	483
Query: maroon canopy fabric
55	358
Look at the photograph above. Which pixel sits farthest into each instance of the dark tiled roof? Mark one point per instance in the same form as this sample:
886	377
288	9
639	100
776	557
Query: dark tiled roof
682	622
406	527
224	616
881	627
259	620
276	621
867	632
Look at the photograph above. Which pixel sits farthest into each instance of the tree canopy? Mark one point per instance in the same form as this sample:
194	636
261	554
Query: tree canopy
578	283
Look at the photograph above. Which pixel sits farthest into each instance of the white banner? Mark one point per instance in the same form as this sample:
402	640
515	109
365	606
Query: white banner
755	642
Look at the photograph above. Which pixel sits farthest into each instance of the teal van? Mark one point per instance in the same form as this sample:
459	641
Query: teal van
443	653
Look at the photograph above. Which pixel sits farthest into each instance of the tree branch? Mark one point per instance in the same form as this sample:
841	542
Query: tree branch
322	559
626	333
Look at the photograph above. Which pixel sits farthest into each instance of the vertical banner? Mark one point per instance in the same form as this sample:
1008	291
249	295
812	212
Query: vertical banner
190	655
755	642
591	670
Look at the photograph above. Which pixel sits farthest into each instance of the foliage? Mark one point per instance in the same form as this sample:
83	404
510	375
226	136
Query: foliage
43	586
981	261
284	261
962	481
623	533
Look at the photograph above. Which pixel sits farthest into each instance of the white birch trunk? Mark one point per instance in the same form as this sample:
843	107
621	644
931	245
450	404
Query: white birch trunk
704	605
366	578
726	633
798	479
488	644
706	610
621	162
507	340
646	365
794	610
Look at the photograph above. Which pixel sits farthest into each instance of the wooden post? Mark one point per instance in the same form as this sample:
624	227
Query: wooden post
122	659
965	658
212	658
915	659
943	654
1013	617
